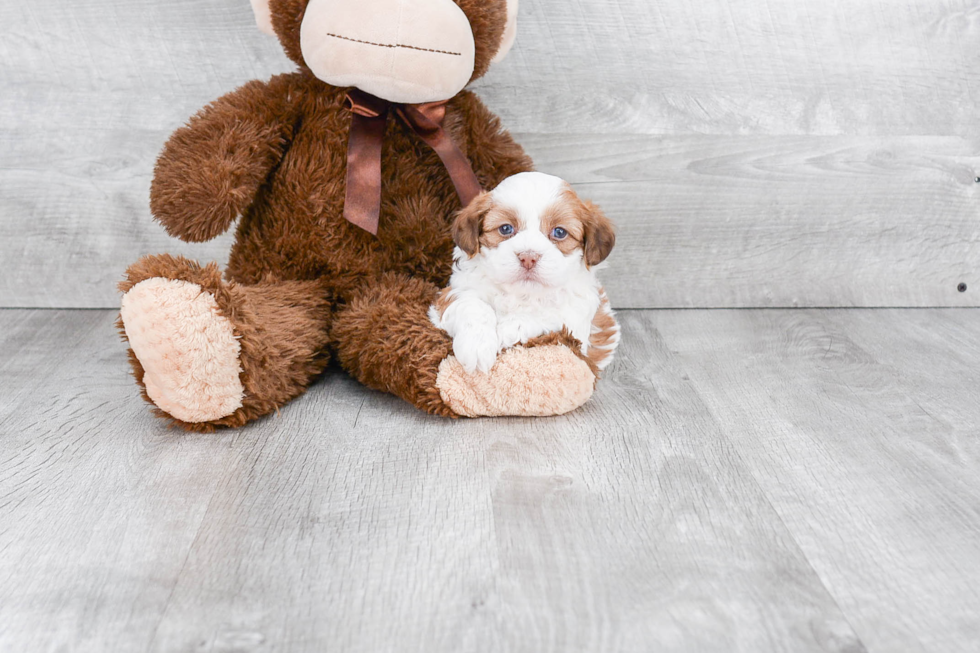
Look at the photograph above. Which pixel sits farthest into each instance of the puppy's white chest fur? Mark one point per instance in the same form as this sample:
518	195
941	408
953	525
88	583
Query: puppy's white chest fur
527	311
484	317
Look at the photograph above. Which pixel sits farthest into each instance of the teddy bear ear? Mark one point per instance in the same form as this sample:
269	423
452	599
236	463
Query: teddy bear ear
510	31
263	16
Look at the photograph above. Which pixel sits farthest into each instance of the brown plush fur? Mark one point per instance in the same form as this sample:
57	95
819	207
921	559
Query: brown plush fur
385	339
302	281
282	328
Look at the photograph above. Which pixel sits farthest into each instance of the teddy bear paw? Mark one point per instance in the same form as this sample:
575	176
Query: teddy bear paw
525	381
188	350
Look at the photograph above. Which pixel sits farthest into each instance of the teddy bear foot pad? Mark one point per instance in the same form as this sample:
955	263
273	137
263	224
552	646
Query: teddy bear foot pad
525	382
188	350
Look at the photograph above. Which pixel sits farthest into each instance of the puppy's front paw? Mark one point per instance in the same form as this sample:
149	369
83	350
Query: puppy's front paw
509	333
476	351
512	331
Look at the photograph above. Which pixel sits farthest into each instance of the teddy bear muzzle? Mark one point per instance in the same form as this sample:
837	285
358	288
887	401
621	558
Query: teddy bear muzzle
404	51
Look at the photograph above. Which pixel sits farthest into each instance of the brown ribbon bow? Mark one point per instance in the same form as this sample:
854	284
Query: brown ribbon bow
369	115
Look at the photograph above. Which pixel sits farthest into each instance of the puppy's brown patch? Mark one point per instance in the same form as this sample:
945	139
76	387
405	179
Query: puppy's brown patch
566	213
604	332
588	228
600	235
468	224
444	300
497	217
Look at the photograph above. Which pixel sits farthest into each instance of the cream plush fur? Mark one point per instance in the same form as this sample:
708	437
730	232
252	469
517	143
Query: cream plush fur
510	32
187	348
360	44
365	47
567	386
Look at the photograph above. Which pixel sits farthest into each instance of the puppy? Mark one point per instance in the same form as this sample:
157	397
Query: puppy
524	265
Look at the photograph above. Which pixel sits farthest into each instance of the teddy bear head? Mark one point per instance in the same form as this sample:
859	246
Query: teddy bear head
407	51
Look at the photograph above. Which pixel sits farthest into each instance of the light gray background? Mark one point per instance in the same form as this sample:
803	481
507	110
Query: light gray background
754	153
743	481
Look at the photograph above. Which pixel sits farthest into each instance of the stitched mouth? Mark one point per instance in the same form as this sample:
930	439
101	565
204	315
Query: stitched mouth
395	45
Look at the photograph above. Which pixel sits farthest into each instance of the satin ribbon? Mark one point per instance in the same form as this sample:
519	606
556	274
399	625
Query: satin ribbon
369	115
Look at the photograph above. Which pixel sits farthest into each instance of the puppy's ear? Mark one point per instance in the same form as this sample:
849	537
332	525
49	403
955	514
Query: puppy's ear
468	225
600	235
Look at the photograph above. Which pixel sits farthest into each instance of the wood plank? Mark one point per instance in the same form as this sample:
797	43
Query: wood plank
851	67
90	92
98	505
923	345
711	221
861	426
601	514
352	522
840	173
704	222
859	67
419	534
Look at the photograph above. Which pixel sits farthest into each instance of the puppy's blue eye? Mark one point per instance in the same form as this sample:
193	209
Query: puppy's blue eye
506	230
558	233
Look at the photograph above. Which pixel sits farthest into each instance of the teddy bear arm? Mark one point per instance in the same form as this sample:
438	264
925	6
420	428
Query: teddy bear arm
211	169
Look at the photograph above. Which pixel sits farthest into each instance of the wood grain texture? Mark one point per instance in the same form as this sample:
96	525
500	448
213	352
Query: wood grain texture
861	426
89	92
351	522
753	153
749	67
781	221
742	481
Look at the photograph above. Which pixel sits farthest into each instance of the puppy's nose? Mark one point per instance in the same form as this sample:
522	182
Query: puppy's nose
529	259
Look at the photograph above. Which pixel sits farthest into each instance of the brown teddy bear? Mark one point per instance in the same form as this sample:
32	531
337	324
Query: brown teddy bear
344	177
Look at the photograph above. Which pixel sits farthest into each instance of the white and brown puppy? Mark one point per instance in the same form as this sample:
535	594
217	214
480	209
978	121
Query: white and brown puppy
525	265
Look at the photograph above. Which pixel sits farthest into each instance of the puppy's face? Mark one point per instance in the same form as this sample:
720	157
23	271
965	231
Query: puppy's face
533	229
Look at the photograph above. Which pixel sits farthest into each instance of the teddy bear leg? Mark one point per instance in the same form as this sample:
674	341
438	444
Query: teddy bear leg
385	339
211	353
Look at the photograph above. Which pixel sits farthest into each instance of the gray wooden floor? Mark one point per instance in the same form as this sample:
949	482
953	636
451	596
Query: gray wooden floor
789	480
